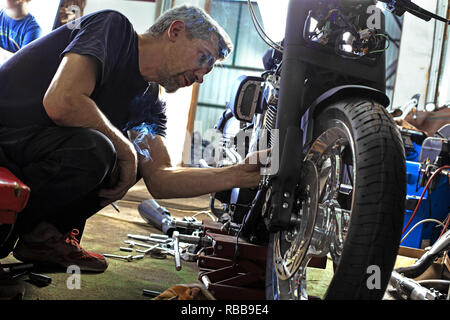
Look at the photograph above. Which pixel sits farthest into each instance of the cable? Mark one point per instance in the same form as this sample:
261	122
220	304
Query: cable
260	29
445	227
388	43
208	213
419	223
421	197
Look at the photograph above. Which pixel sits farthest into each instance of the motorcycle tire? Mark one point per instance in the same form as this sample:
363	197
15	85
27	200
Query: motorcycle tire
377	201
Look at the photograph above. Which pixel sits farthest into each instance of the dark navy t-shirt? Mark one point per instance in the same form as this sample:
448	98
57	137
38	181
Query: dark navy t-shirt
15	34
121	93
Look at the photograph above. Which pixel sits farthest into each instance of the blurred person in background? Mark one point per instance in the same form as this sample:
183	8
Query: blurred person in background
69	10
18	27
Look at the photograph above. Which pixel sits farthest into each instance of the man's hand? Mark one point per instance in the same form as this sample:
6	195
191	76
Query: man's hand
248	172
125	176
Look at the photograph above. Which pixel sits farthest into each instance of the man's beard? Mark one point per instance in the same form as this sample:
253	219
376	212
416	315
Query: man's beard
170	84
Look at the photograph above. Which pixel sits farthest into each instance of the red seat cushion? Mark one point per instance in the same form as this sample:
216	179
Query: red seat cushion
14	196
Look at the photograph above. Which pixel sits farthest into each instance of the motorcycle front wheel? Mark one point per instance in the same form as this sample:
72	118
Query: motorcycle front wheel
354	210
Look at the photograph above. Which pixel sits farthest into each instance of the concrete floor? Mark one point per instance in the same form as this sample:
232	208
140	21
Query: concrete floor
106	231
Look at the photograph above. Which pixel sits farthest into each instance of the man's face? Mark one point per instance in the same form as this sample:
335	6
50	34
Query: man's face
189	61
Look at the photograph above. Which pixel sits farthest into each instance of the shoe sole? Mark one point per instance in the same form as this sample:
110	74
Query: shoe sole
57	265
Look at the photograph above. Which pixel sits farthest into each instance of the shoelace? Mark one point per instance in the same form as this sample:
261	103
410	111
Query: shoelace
70	238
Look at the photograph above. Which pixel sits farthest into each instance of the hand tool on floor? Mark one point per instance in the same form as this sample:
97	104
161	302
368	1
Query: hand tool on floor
148	239
150	293
127	258
17	267
38	279
160	218
148	249
176	247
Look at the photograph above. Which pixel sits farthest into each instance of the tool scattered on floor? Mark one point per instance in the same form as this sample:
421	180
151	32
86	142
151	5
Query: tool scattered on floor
19	270
115	206
159	246
150	293
115	256
160	218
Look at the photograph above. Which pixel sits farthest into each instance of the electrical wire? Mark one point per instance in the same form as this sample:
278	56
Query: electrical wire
421	197
388	43
260	30
445	227
208	213
419	223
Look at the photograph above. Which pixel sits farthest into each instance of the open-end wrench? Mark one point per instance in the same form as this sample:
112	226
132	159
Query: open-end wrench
132	243
127	258
149	248
148	239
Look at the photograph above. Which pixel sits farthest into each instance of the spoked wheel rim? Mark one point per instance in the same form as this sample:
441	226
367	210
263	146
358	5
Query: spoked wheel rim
328	176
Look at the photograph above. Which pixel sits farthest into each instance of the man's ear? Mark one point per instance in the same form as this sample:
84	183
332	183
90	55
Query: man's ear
175	29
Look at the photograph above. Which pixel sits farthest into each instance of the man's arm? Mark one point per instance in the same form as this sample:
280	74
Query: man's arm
164	181
68	103
5	55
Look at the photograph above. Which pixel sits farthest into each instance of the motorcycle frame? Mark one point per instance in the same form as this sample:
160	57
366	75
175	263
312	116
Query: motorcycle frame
295	115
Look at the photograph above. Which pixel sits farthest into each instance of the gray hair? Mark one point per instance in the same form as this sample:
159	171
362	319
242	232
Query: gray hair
199	25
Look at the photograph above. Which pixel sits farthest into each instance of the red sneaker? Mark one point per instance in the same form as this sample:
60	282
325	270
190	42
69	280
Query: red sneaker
57	249
10	288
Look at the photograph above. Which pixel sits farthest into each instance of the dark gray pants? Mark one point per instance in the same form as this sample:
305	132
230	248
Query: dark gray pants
64	167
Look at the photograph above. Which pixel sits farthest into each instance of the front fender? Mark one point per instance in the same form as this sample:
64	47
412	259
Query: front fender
333	95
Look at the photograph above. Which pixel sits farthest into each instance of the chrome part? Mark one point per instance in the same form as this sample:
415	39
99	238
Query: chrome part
320	226
288	260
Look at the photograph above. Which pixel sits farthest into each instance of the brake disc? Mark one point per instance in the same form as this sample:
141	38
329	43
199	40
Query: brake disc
318	183
291	246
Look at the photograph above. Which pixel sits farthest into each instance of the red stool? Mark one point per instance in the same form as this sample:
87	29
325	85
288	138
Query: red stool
14	196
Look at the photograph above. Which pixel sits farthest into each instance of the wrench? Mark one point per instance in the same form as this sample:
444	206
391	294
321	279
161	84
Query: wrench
127	258
149	239
134	243
148	249
176	249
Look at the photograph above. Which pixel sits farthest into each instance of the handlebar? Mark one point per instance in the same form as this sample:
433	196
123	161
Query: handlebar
399	7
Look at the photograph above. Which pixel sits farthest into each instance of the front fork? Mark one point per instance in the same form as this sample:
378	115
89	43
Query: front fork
289	112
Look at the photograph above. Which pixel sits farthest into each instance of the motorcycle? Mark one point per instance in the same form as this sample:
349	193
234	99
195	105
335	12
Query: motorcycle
336	184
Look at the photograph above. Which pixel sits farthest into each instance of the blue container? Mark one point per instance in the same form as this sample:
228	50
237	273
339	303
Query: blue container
435	205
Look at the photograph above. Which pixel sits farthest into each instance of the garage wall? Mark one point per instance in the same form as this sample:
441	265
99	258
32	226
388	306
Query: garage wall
140	13
415	56
45	12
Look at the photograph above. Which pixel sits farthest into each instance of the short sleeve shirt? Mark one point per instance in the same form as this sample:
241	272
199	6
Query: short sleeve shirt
15	34
121	93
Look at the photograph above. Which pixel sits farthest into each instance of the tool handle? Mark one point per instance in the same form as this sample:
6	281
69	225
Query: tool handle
176	249
39	278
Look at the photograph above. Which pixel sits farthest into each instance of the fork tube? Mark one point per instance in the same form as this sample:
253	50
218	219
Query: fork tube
293	69
290	110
